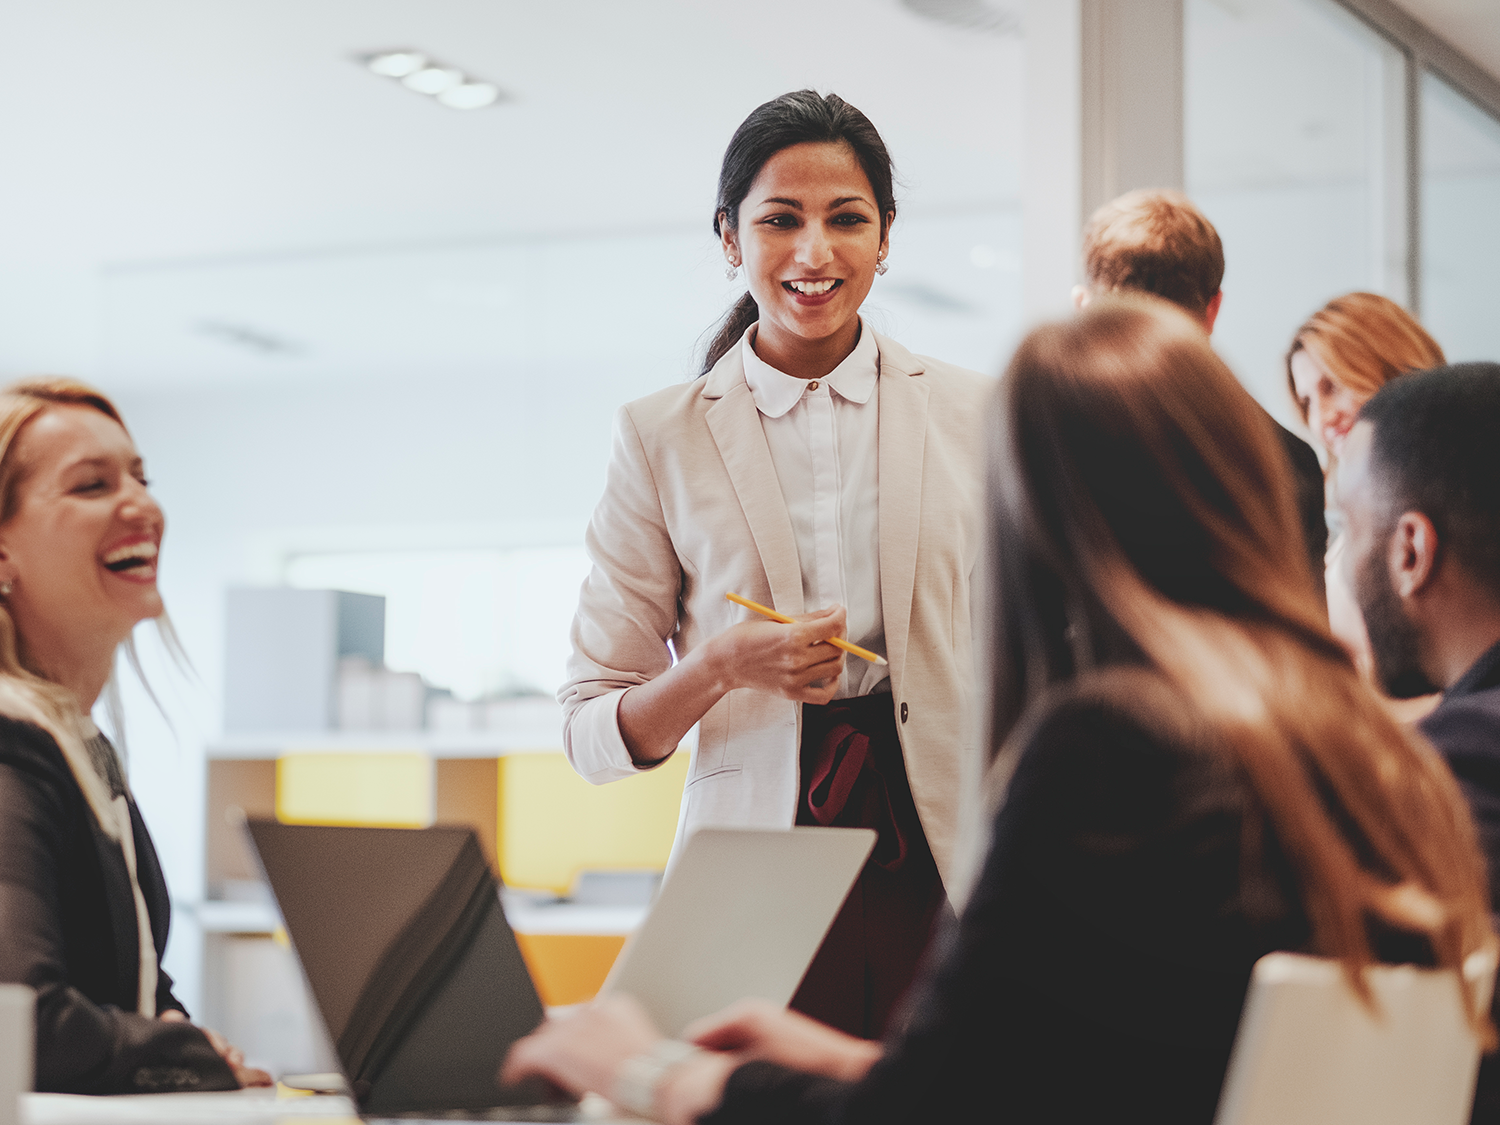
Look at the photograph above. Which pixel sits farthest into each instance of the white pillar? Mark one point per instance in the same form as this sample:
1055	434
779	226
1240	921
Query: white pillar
1052	170
1103	116
1132	97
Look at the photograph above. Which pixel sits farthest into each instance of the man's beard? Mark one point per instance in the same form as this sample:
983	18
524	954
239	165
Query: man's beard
1394	640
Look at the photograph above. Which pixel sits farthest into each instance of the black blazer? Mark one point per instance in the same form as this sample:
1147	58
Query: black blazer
1099	969
1465	728
1307	476
68	930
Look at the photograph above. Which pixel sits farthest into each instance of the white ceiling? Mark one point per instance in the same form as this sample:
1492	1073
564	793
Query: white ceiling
1471	25
165	130
212	151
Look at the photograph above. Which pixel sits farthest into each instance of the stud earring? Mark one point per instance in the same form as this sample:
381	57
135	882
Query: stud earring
732	270
5	589
880	266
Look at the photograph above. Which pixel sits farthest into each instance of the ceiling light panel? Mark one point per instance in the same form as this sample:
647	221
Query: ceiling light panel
420	73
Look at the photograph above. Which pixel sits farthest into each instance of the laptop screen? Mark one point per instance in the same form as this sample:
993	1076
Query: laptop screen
409	959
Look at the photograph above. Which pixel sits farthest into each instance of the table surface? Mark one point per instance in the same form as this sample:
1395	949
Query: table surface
238	1107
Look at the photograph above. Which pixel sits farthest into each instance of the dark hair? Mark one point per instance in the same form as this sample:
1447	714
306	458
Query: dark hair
1436	449
801	117
1141	506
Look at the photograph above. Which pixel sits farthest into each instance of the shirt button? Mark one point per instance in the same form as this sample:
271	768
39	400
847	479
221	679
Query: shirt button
813	385
903	712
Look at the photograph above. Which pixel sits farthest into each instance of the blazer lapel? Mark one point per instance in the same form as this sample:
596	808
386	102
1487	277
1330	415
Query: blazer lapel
120	903
735	425
903	440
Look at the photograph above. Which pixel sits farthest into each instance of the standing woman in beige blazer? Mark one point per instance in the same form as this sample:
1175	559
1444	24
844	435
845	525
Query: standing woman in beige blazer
820	468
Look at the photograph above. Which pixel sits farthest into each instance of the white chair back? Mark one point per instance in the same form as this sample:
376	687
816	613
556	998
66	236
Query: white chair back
15	1049
1310	1052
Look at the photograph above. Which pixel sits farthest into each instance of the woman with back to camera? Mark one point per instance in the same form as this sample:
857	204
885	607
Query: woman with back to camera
822	469
1197	776
1342	355
83	904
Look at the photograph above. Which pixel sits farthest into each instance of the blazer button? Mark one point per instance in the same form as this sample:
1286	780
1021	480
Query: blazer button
903	712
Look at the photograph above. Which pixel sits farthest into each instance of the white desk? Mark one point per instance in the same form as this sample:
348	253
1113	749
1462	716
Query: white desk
242	1107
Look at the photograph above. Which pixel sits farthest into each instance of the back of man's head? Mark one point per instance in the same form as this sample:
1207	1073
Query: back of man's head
1154	242
1435	449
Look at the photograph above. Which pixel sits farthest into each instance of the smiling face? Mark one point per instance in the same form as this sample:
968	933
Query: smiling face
809	235
80	549
1331	407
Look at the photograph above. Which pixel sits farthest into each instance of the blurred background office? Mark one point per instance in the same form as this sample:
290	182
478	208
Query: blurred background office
369	280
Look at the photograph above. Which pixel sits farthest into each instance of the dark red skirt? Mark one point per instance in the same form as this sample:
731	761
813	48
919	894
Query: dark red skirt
853	776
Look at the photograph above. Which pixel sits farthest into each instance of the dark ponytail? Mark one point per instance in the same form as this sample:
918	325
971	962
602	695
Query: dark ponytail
792	119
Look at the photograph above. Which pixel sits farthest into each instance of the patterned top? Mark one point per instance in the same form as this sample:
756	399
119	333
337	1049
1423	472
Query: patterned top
106	762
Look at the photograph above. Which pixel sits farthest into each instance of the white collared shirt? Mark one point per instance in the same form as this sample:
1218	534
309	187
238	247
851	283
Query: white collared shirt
824	439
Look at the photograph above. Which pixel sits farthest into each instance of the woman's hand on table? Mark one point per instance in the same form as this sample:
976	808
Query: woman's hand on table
757	1030
233	1056
794	660
584	1050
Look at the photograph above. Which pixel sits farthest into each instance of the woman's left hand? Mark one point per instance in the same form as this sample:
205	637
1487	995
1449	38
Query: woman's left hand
233	1057
583	1050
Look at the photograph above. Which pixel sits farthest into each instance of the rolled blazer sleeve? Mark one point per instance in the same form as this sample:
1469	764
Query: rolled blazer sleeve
628	610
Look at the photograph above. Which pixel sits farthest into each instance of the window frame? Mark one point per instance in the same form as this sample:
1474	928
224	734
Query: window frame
1423	52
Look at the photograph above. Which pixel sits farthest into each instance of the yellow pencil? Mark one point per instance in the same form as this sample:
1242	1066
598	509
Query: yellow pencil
836	642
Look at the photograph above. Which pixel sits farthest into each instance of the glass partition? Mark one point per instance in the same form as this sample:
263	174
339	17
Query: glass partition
1293	142
1460	223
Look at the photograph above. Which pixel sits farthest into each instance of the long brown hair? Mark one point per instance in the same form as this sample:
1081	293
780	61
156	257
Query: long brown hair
1363	341
1141	512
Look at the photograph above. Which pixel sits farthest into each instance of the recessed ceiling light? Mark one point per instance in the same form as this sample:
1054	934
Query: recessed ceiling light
249	338
396	64
989	16
422	74
433	79
470	95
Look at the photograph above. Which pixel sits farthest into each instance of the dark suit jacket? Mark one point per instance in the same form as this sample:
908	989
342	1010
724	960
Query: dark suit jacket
1099	969
1307	473
68	930
1465	728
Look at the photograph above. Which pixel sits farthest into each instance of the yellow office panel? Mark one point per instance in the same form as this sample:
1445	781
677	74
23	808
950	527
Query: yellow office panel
380	790
569	968
553	824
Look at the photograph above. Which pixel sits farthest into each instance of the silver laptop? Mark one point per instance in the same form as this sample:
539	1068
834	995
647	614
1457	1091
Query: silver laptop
420	983
741	913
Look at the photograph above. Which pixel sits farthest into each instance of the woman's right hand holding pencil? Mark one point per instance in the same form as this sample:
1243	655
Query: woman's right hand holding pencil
791	660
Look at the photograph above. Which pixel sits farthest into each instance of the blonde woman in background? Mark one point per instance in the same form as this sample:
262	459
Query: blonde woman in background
1342	355
84	909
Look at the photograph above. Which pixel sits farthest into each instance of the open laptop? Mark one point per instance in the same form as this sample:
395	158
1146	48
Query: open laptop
420	983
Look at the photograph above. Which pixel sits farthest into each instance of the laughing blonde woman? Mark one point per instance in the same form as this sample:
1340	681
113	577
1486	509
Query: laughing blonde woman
83	905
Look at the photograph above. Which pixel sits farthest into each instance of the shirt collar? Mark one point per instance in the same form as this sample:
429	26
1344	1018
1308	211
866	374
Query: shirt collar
1483	674
775	392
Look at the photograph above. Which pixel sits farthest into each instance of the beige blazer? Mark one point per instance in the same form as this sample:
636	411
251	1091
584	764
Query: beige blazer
692	508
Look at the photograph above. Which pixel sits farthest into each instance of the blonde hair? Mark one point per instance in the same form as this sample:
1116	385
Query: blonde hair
20	404
1363	341
1154	242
